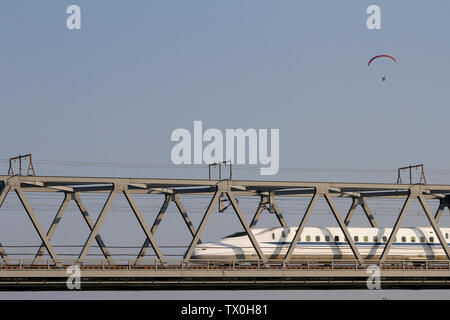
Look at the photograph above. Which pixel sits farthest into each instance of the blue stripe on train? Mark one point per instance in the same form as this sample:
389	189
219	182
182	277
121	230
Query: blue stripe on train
358	243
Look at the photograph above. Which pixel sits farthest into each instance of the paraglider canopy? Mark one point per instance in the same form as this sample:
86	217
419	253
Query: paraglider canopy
381	56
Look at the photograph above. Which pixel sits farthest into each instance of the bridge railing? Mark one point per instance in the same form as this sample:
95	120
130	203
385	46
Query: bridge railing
208	264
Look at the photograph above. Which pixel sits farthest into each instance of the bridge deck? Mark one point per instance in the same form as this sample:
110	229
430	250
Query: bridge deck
223	275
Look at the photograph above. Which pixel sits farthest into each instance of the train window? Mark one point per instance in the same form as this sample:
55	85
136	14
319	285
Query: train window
327	238
431	239
283	234
446	235
413	239
317	238
336	238
356	238
403	239
422	239
366	238
273	236
384	239
308	238
375	239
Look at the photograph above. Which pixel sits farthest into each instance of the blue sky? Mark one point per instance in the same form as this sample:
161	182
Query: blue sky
116	89
137	70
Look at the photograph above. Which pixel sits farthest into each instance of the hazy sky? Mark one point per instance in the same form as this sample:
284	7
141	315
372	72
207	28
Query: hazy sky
116	89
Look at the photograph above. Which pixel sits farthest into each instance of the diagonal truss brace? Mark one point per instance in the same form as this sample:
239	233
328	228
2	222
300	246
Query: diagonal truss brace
400	217
360	201
162	211
414	194
443	203
207	215
53	226
76	197
343	227
202	225
268	200
338	218
37	226
261	207
90	223
98	223
176	199
249	232
434	225
144	226
4	192
301	227
117	189
155	226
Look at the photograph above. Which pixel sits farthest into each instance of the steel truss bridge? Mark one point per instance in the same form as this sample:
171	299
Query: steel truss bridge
42	273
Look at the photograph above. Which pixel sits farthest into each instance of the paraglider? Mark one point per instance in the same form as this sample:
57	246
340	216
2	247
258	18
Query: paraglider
381	56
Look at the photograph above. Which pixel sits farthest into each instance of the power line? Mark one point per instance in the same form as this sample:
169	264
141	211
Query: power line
205	166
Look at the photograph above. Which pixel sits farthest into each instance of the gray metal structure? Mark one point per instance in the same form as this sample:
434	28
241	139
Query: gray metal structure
45	274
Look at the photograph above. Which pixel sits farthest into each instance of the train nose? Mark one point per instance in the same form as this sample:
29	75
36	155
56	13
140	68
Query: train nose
198	252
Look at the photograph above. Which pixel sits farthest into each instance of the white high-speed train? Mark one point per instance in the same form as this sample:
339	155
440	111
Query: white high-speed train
413	243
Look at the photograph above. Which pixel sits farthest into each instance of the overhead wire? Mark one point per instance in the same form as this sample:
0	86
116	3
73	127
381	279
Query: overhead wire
205	166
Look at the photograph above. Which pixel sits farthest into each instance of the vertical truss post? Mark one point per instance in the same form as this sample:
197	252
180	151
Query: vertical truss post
433	223
53	226
343	228
148	234
301	226
90	223
388	245
245	225
37	226
202	225
98	224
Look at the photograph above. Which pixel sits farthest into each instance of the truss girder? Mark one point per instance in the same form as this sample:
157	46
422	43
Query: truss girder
173	188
